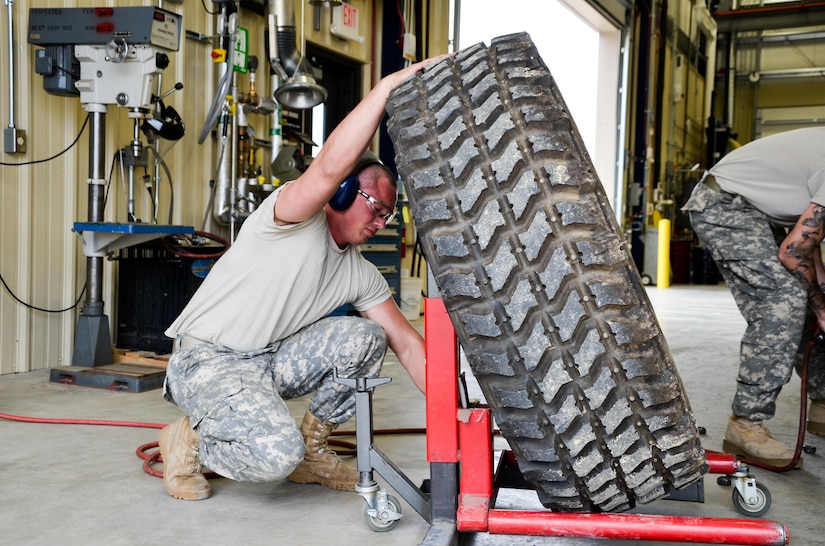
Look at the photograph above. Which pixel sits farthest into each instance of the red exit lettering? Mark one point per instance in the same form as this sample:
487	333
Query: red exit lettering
350	16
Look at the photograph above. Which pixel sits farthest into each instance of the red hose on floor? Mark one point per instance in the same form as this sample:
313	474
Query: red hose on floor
51	421
147	459
154	457
349	449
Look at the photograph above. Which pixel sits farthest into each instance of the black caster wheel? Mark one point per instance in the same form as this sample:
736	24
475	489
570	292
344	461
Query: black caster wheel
379	524
810	450
763	502
724	481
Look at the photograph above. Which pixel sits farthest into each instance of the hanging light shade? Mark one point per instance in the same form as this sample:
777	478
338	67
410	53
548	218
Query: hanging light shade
301	91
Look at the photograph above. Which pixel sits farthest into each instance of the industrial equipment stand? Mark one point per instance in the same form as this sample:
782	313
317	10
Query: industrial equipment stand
119	51
463	486
92	355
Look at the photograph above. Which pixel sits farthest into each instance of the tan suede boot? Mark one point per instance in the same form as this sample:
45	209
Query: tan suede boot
752	440
816	417
321	464
182	469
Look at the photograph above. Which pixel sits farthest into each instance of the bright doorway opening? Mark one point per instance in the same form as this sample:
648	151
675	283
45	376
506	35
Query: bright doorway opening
582	49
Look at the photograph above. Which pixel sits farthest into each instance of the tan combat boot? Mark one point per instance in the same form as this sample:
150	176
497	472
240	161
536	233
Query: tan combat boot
182	469
321	464
752	440
816	417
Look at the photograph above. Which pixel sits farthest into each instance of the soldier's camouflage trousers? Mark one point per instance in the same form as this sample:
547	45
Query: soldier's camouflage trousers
235	400
744	246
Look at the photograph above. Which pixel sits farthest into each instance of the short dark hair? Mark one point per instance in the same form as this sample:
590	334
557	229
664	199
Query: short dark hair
372	172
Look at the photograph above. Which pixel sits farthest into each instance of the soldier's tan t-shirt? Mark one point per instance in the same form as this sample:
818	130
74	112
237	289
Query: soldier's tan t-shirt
779	174
274	280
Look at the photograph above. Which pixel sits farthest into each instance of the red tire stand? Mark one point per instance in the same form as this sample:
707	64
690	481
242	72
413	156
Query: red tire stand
465	500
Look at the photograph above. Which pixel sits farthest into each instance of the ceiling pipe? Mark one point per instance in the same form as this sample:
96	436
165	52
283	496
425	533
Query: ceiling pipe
784	39
784	73
775	16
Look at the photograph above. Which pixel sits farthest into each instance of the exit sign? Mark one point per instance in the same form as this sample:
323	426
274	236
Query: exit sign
345	22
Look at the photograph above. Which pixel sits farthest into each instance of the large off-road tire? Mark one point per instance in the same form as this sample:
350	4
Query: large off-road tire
533	269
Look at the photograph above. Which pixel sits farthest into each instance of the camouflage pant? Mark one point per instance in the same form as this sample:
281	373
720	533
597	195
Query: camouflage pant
773	302
235	400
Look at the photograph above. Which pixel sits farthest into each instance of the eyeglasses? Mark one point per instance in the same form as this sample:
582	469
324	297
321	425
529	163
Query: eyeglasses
373	203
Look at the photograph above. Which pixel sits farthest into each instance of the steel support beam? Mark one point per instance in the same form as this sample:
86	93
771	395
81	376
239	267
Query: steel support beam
771	17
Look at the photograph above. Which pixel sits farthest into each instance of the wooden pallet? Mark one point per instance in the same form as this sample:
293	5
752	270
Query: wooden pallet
130	371
144	358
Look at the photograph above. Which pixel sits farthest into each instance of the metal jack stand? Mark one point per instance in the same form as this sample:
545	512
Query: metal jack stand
465	501
381	510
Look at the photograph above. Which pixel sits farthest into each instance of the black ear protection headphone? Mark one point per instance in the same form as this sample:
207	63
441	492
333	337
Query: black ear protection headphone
168	126
348	189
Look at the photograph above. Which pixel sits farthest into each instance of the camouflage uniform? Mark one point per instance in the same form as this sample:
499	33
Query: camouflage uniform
235	400
744	245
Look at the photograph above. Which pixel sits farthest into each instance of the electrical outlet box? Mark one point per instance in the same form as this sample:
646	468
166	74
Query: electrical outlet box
14	140
409	46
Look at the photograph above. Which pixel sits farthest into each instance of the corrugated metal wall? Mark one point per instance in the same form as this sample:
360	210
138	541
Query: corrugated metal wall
41	259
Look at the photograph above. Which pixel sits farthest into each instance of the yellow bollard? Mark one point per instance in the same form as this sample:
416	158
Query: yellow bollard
663	259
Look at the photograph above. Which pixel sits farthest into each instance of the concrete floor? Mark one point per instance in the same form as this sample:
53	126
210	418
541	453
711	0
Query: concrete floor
71	484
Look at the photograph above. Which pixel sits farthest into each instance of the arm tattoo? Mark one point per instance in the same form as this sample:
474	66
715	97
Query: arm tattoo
816	220
799	255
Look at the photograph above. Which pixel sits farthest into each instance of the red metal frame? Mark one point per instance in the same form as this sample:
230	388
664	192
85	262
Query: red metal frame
441	351
450	428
